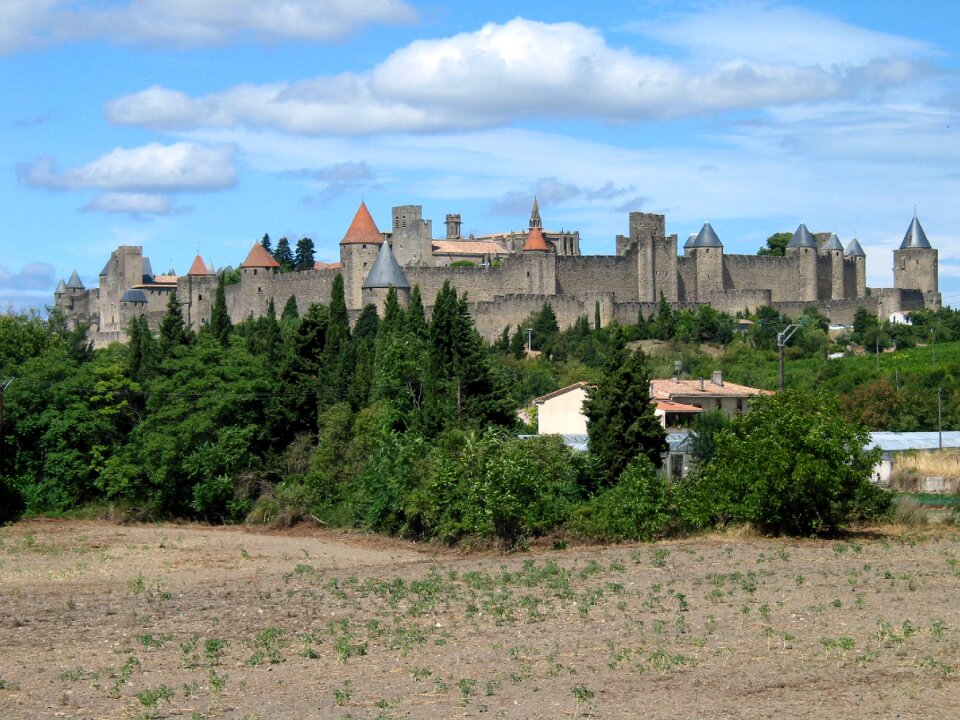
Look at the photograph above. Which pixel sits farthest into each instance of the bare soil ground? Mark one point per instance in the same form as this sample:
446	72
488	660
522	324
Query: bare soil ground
110	621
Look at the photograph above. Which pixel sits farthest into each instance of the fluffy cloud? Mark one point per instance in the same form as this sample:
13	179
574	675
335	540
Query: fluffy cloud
181	166
507	71
36	23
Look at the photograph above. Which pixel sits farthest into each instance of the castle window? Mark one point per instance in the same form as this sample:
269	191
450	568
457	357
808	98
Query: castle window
200	298
259	289
254	271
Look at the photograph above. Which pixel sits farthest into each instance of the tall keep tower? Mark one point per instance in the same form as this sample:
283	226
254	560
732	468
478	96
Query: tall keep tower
915	263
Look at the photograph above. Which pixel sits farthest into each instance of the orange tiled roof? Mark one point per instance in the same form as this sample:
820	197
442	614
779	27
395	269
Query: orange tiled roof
259	258
326	266
668	406
363	229
668	388
535	241
199	267
467	247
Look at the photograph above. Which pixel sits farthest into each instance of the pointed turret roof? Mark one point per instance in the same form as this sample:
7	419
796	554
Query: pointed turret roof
915	237
832	244
199	267
535	221
707	237
106	268
258	258
535	241
363	229
690	241
802	238
74	282
386	271
61	288
854	249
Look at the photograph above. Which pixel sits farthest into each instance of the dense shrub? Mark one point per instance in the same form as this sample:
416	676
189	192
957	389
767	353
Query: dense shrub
791	466
637	507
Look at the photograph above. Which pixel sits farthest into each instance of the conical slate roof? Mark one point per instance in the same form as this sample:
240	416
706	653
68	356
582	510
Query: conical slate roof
258	258
915	237
386	271
707	238
199	267
535	241
106	268
832	244
363	229
61	288
74	282
147	268
854	249
802	238
690	241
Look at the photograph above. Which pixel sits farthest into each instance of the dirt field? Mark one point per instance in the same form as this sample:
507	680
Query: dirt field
109	621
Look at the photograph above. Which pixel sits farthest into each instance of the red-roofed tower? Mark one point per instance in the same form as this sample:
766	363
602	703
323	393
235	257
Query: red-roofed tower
358	251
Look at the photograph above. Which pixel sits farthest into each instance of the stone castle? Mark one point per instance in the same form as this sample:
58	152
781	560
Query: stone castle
508	276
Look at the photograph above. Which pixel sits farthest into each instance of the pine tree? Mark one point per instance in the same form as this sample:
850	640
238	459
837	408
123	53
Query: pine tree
283	255
303	260
620	417
290	312
220	325
267	245
141	350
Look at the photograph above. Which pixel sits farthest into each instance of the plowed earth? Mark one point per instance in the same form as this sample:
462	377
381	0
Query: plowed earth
108	621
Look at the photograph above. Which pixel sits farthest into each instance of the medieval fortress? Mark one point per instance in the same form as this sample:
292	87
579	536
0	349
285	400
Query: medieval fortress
508	276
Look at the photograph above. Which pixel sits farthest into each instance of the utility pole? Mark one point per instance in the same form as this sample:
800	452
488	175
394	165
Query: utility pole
782	337
529	340
939	419
3	388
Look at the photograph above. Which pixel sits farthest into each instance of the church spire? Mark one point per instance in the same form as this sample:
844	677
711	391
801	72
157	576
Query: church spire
535	215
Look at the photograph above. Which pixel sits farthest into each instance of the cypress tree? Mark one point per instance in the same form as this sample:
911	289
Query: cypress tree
220	325
416	317
620	417
173	331
393	319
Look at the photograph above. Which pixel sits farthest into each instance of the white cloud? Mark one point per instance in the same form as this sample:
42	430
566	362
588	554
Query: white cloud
32	276
777	33
504	72
181	166
136	204
26	24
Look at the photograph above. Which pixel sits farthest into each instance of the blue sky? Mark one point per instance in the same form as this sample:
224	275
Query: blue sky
181	125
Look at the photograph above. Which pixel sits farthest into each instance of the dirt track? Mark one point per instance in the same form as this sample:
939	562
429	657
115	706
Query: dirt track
107	621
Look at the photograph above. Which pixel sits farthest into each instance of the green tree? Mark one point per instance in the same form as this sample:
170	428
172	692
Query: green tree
220	326
303	259
792	465
265	242
620	417
416	317
776	244
173	331
284	255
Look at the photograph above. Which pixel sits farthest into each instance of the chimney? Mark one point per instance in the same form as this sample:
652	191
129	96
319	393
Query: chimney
701	384
718	377
651	390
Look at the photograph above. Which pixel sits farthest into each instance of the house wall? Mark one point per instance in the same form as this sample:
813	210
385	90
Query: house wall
563	414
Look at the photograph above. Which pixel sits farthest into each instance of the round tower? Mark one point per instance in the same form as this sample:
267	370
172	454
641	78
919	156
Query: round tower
707	254
803	247
358	251
855	253
833	250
